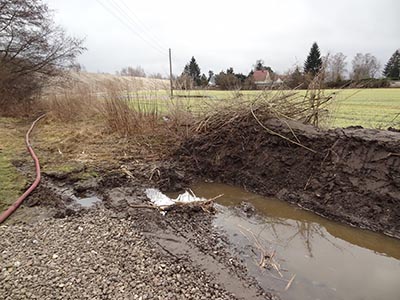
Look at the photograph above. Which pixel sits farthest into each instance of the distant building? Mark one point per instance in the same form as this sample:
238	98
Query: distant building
212	81
395	84
262	78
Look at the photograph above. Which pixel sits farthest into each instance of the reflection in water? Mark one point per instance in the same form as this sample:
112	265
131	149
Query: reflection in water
330	260
280	212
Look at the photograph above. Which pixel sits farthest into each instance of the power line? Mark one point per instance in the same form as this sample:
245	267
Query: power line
122	21
143	25
127	25
134	24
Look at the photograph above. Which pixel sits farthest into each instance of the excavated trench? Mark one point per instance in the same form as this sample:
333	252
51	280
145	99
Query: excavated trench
349	175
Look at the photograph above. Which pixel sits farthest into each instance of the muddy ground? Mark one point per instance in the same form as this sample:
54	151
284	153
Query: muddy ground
349	175
120	253
55	248
134	253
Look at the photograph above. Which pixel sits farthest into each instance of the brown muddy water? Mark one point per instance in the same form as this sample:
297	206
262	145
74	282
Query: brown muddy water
329	260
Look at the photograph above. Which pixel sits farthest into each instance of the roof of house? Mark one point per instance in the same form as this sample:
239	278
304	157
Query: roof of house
261	75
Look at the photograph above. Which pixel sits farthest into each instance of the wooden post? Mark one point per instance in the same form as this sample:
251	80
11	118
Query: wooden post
170	74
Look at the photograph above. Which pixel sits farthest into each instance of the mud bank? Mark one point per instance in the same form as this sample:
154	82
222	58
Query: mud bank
350	175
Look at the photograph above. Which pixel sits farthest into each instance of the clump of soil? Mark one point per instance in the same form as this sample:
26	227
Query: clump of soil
350	175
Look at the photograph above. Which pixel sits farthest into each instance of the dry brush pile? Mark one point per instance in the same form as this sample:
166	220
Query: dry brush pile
287	106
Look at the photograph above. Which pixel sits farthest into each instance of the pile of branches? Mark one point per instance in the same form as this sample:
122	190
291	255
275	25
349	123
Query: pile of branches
308	107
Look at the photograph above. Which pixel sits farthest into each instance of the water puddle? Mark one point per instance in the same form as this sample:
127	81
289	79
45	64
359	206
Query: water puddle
329	260
69	197
88	202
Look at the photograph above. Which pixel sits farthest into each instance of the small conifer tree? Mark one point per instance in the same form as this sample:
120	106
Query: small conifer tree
313	63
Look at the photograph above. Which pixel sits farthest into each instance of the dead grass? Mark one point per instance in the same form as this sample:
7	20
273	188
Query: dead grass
70	105
127	116
61	146
122	104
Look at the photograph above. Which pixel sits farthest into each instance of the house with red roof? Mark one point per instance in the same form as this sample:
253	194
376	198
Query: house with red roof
262	78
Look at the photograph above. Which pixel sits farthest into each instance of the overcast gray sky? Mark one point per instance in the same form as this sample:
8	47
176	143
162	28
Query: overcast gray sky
226	33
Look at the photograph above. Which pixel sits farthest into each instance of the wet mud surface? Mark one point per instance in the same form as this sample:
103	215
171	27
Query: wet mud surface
184	238
349	175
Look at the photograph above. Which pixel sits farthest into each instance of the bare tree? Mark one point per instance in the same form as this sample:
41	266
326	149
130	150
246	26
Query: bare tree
32	49
77	67
336	67
156	76
134	72
184	82
364	66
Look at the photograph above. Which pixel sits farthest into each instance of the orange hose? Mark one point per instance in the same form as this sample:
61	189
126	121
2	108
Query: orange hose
17	203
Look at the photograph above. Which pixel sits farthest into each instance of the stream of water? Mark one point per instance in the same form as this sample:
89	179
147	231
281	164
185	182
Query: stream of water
330	260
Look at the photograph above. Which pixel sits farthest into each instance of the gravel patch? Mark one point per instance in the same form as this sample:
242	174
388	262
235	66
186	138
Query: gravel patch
95	256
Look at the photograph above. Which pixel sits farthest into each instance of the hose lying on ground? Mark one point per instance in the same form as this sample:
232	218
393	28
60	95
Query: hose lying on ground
17	203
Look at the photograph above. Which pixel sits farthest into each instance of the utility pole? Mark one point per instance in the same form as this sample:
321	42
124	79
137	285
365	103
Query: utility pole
170	73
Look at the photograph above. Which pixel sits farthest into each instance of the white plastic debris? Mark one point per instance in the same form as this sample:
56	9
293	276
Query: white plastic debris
160	199
187	197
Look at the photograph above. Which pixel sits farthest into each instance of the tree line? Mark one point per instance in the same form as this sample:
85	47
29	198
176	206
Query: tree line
228	79
138	72
364	68
33	49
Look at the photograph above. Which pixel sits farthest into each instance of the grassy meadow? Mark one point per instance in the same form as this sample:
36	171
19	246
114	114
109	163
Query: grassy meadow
370	108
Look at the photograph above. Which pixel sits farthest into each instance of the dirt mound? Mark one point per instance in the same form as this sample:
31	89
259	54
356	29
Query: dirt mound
350	175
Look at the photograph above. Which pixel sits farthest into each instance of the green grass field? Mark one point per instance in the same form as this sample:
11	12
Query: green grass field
370	108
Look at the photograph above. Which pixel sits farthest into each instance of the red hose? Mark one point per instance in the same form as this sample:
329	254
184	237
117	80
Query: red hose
17	203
